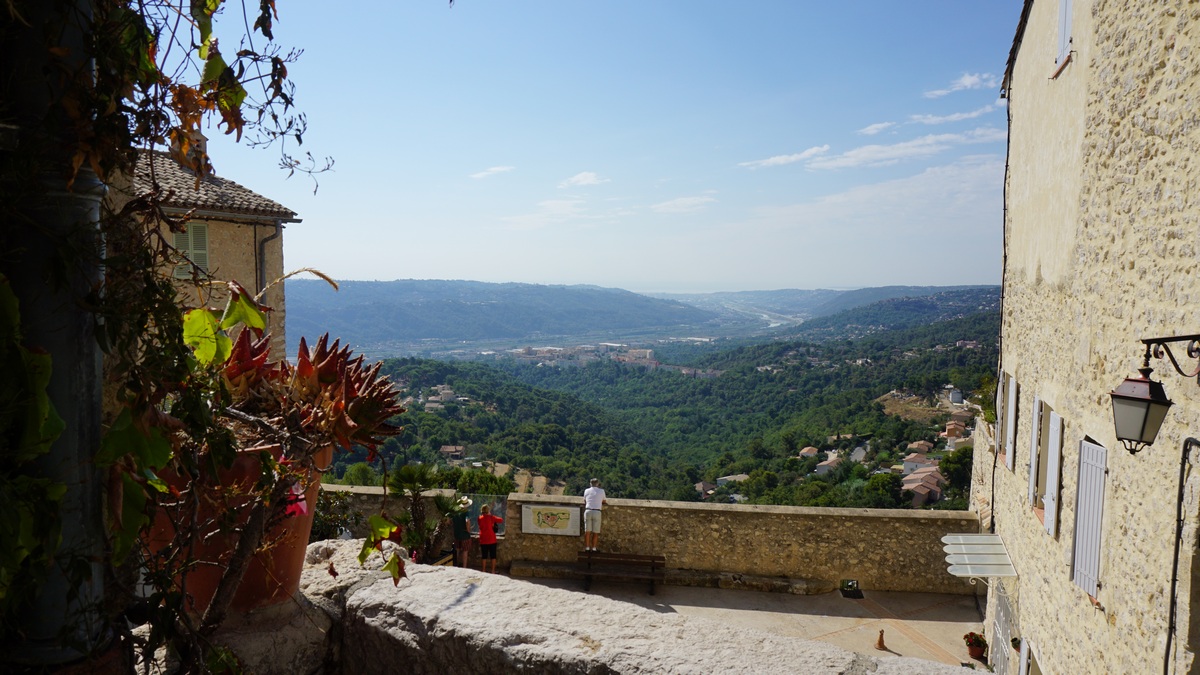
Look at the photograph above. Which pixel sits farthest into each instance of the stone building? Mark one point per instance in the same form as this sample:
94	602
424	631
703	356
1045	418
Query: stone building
1100	250
234	234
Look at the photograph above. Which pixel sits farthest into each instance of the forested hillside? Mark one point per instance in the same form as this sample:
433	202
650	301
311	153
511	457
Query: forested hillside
653	433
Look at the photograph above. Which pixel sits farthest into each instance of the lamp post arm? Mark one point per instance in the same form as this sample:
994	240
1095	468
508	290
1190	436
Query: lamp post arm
1162	345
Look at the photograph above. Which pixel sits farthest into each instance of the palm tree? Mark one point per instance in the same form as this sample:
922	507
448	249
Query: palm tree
422	533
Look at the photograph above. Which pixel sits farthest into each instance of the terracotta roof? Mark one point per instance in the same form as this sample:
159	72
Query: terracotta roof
216	194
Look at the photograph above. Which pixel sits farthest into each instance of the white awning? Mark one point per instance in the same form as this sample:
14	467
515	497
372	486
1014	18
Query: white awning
977	555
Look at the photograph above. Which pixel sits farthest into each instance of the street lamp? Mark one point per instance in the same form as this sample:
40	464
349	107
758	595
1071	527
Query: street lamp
1139	407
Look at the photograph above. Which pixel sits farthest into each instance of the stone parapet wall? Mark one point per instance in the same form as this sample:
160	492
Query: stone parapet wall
887	550
884	550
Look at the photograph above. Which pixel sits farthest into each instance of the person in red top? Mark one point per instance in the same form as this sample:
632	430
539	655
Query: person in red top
487	536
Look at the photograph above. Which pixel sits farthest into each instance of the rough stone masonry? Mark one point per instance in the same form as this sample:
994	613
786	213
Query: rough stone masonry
447	619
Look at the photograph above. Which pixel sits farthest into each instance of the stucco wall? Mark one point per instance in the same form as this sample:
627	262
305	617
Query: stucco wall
1102	235
233	250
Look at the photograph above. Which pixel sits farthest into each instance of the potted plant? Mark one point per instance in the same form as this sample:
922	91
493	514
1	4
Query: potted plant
234	508
1016	644
976	644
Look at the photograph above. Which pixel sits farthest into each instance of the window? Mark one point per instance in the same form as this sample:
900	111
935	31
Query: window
1064	31
1089	511
1045	457
192	243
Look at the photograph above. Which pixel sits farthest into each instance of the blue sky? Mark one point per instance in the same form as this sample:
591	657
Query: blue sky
675	145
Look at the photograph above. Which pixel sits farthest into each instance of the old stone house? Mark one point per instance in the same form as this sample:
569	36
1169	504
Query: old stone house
1100	251
233	234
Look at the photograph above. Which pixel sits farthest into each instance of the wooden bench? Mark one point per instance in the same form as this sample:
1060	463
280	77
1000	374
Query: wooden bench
621	566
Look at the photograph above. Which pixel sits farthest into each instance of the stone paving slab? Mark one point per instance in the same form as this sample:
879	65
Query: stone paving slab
921	625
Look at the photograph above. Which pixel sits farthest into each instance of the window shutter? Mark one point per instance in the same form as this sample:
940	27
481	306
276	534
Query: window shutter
1010	424
1034	441
1026	650
1089	511
1064	30
1053	460
199	248
182	244
1000	419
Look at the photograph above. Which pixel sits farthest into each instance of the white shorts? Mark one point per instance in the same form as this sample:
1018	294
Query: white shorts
591	520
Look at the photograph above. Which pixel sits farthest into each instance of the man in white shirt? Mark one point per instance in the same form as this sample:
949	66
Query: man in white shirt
593	501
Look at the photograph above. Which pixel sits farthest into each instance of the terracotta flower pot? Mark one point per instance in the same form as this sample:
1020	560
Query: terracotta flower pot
975	652
273	574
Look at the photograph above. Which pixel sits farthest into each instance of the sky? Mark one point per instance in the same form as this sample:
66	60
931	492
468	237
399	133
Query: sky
667	146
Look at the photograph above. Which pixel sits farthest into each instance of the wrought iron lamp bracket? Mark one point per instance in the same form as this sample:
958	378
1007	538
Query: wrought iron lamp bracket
1160	346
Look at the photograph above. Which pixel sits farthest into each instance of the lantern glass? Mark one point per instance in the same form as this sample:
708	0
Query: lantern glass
1139	407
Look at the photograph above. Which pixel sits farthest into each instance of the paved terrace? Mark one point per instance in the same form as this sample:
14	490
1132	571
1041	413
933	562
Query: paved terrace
926	626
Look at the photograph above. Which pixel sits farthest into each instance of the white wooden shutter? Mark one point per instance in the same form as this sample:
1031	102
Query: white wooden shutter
1064	30
1035	438
1053	462
1000	419
1026	651
1010	424
1089	512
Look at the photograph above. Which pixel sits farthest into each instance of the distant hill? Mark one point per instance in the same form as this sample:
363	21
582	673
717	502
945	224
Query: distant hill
897	313
375	312
789	303
792	306
865	296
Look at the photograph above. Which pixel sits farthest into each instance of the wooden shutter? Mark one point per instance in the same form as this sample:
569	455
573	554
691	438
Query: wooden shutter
192	243
1089	512
1010	424
1026	653
1064	30
182	244
1053	462
199	248
1035	438
1000	420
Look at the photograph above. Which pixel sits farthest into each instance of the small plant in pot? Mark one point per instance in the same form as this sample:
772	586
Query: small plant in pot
976	644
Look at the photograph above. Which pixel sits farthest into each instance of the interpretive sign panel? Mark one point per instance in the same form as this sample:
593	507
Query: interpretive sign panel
550	519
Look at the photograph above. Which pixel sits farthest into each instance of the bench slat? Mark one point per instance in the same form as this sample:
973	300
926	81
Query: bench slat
621	566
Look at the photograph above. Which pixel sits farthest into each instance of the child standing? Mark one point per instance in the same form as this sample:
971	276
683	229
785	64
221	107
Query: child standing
487	536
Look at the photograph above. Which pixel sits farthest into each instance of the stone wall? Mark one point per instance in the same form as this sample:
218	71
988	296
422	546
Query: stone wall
892	550
885	550
1101	251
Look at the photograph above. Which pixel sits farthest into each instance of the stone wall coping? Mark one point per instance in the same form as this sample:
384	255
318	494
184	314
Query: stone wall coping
814	511
377	490
818	511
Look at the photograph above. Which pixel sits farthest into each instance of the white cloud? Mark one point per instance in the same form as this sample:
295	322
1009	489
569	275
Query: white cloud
492	171
780	160
925	146
967	81
683	205
583	178
549	212
953	117
936	201
873	129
